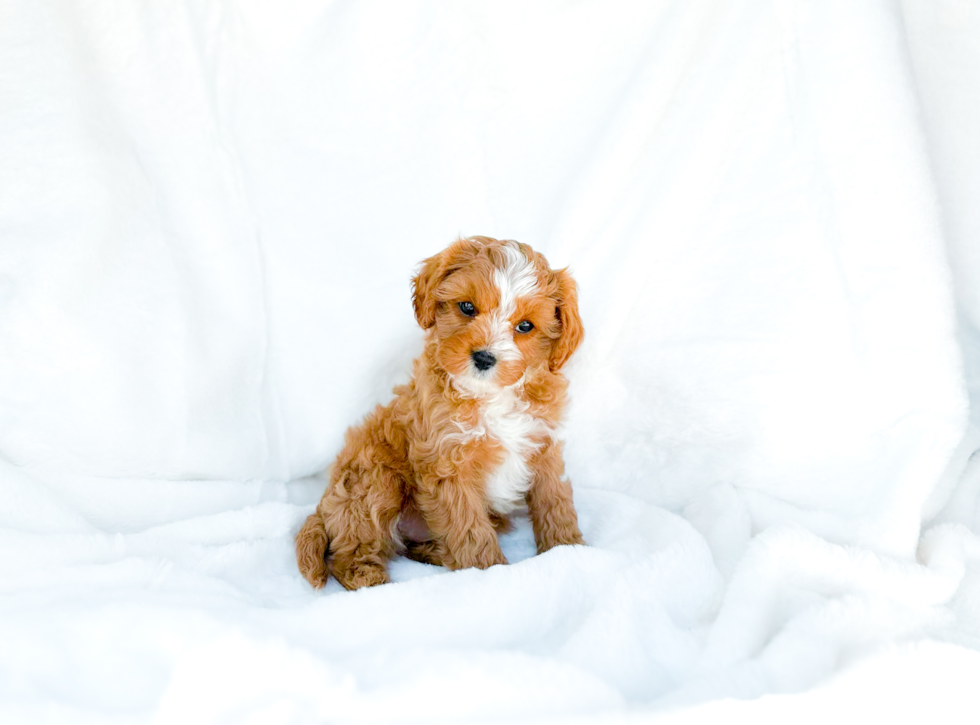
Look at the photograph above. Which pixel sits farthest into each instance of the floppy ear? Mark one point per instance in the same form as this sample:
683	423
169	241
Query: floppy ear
424	285
434	270
566	310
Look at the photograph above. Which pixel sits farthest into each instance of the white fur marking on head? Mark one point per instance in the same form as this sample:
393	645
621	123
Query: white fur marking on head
501	342
516	279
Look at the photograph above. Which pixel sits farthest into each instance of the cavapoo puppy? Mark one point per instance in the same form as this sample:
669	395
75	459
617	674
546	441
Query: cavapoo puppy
434	474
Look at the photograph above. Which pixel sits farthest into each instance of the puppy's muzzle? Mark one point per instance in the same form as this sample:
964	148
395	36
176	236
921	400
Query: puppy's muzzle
483	360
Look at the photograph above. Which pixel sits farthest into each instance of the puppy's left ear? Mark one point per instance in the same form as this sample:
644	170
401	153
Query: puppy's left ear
566	310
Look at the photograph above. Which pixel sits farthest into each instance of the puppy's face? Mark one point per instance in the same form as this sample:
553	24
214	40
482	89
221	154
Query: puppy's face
496	310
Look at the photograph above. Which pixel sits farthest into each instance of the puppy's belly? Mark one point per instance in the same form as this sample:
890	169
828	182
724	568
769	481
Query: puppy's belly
412	527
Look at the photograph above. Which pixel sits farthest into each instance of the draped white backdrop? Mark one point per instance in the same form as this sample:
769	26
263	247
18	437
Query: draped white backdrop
209	215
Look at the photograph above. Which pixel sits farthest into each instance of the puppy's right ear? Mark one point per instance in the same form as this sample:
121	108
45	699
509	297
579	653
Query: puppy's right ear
434	271
424	285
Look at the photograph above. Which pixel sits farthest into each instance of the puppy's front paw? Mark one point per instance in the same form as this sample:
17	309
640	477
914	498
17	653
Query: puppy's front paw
479	556
568	538
490	557
362	574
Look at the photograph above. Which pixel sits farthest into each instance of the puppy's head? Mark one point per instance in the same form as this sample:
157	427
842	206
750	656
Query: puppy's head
496	310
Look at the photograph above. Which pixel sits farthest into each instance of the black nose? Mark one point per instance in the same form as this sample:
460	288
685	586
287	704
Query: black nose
483	360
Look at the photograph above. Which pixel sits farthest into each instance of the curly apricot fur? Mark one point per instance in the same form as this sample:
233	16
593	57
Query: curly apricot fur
414	476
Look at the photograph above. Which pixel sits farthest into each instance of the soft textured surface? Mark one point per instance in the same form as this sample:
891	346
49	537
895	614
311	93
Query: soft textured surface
209	214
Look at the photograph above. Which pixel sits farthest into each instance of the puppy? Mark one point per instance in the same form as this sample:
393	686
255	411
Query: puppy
434	474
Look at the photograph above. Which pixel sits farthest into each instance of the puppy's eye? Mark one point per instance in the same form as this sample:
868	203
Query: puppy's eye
467	309
524	327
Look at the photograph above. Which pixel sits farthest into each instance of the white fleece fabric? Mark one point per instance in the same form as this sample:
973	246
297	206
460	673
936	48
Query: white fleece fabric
210	212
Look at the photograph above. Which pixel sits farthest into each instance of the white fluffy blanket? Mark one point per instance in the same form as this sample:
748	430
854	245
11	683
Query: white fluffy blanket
209	214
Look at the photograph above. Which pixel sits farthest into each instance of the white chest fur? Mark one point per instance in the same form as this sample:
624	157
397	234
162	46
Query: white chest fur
507	421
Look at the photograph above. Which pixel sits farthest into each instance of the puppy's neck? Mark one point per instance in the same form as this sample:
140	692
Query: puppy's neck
484	392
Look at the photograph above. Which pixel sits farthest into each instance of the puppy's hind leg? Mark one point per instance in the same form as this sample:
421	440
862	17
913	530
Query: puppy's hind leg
361	527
